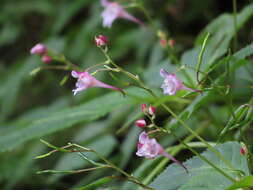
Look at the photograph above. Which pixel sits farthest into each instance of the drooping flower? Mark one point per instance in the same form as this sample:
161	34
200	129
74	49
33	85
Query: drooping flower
38	49
172	84
140	123
85	80
150	148
101	40
113	11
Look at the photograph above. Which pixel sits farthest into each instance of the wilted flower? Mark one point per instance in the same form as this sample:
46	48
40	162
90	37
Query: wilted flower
85	80
101	40
113	11
172	84
46	59
140	123
150	148
39	49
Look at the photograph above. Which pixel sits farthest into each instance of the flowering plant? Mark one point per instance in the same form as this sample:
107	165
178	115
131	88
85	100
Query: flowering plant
120	96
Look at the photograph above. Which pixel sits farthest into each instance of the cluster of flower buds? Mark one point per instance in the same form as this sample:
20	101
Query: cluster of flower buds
149	111
149	147
40	49
165	41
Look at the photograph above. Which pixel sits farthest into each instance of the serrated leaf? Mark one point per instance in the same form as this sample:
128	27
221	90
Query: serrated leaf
204	181
202	171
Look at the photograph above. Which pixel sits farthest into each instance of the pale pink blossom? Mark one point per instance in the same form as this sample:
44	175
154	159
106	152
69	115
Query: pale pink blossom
46	59
113	11
150	148
140	123
85	80
172	84
38	49
101	40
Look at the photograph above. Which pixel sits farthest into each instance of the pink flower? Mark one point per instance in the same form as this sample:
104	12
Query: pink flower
140	123
46	59
101	40
150	148
39	49
85	80
172	84
113	11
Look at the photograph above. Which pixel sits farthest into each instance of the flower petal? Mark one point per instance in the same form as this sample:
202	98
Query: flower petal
75	74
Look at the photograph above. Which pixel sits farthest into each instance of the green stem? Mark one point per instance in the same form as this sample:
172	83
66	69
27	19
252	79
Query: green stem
197	136
200	58
142	8
197	154
235	24
71	171
130	75
204	159
141	85
130	177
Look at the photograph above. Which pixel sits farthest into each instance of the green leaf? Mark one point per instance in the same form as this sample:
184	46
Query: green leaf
10	88
64	16
205	181
244	182
51	123
201	174
222	32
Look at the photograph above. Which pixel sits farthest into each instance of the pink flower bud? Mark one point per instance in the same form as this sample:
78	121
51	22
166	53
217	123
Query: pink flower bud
151	110
38	49
172	43
243	150
143	108
140	123
101	40
163	43
46	59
